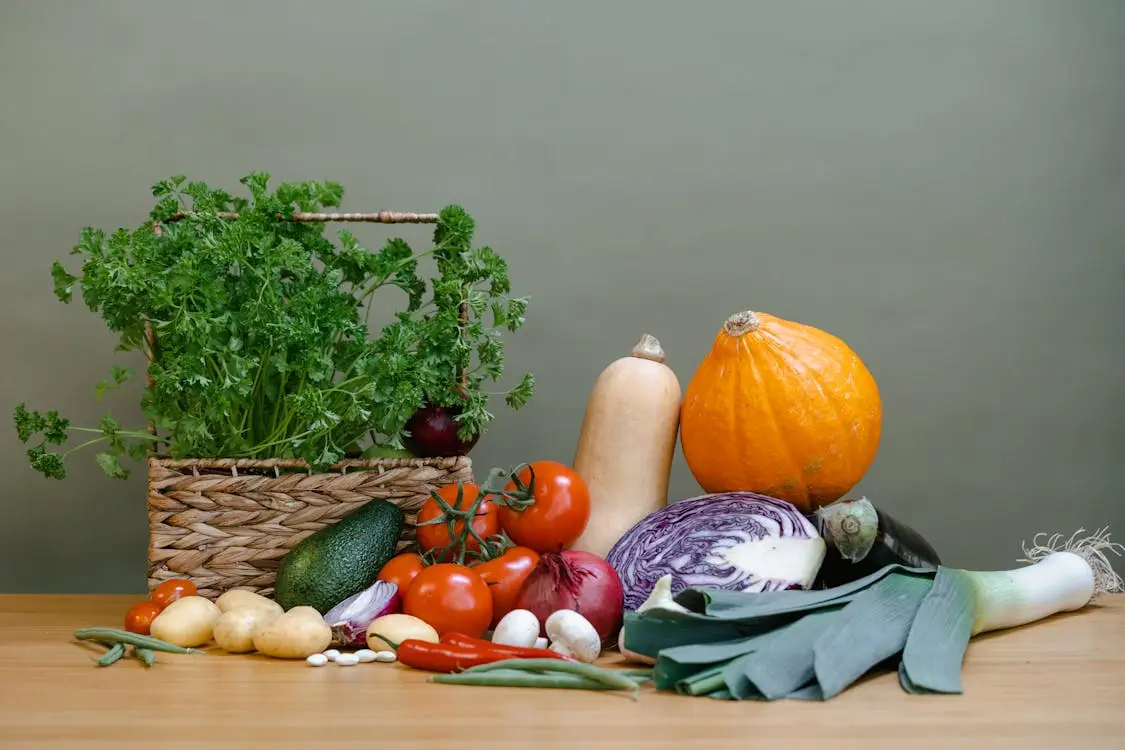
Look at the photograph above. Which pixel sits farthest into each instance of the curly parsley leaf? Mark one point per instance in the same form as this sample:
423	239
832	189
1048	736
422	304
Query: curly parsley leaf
260	345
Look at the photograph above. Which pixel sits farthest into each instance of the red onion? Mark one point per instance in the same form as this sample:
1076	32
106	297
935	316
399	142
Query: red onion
576	580
349	619
433	433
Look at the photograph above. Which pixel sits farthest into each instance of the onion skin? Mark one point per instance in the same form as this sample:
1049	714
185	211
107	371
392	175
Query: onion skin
575	580
350	618
433	433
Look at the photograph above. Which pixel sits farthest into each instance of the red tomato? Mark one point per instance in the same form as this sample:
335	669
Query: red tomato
401	570
171	590
485	522
504	576
140	616
559	513
451	598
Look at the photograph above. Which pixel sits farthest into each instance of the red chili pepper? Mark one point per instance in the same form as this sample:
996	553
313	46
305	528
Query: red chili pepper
450	657
513	652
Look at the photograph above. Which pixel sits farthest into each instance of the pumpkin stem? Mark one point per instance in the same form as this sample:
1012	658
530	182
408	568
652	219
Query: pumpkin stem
648	348
743	322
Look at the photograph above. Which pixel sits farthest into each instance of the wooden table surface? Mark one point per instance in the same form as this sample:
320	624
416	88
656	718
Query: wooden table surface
1057	684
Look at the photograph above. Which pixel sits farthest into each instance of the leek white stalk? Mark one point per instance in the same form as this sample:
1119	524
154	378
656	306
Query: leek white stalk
1059	579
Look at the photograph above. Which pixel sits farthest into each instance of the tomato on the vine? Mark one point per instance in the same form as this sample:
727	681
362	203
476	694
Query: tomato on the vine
504	575
171	590
436	536
559	512
140	616
451	598
401	570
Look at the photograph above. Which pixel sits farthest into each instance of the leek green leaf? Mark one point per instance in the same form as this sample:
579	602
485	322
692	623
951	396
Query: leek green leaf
735	678
703	682
674	665
745	607
908	685
870	629
939	635
649	635
808	693
710	653
784	664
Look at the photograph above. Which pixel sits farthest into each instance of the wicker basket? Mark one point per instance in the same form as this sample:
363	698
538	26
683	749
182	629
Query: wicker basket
227	523
224	523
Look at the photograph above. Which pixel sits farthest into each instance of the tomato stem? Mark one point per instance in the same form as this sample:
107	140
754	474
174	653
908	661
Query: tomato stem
519	499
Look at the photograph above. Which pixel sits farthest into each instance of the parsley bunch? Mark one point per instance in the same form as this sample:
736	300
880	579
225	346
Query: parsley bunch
261	346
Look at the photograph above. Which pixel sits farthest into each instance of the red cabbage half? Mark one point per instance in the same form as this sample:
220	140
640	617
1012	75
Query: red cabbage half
736	541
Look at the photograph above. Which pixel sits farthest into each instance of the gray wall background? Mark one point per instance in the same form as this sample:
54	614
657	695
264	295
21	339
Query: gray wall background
940	184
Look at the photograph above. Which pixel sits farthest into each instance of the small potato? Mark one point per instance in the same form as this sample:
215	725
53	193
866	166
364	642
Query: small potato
297	634
234	630
304	611
188	622
398	628
242	599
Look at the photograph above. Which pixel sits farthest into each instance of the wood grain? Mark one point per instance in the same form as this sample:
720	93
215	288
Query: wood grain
1056	684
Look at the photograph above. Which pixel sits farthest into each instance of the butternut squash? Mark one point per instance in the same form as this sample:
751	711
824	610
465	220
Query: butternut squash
627	442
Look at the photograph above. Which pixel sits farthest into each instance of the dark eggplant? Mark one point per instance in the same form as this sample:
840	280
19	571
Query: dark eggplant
861	540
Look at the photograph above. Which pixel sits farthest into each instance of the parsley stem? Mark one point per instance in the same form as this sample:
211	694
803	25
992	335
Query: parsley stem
83	445
122	433
261	446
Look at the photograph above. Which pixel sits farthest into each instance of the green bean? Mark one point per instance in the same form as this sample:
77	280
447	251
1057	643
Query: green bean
520	678
111	656
107	635
639	676
605	676
146	655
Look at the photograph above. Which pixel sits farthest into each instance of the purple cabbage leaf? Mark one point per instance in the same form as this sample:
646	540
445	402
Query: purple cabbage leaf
733	541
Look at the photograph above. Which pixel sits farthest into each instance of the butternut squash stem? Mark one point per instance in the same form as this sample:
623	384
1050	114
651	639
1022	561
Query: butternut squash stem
648	348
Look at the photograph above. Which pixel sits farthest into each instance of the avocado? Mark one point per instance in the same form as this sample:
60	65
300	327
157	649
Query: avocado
340	560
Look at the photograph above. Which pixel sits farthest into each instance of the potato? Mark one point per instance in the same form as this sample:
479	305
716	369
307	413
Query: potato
398	628
188	622
234	630
241	599
299	633
303	611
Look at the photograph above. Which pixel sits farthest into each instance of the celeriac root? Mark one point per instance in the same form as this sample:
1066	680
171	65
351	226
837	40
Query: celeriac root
1091	548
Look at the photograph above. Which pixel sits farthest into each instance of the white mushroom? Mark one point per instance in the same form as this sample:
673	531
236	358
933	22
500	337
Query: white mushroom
571	634
517	628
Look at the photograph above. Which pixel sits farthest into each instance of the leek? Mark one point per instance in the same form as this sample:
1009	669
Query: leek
814	644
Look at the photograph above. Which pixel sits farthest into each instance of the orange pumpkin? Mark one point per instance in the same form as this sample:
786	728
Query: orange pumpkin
782	409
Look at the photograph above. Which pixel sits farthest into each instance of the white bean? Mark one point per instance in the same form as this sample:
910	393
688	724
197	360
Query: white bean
365	655
386	656
541	643
317	660
331	654
347	660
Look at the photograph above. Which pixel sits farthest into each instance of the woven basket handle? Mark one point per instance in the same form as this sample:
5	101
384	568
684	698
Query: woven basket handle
378	217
